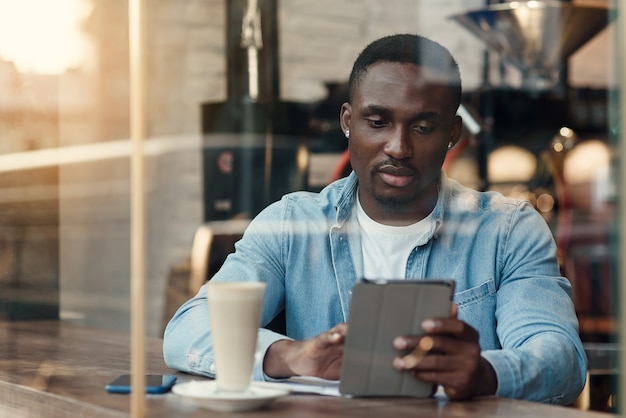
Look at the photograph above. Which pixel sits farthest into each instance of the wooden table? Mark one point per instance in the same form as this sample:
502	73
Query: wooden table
54	369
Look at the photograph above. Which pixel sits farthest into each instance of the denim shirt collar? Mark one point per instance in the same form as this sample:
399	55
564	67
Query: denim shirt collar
347	201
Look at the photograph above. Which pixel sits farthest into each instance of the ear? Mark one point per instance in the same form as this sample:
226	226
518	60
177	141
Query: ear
344	116
457	127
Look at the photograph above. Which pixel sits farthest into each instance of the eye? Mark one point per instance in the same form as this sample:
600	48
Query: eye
423	128
375	123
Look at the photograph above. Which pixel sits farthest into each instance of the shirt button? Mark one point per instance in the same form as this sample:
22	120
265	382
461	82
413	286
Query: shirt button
212	367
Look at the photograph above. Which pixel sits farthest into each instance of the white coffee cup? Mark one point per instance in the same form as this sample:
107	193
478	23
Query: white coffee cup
235	312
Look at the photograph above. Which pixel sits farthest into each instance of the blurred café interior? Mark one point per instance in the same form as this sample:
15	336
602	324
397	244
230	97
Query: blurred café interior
242	106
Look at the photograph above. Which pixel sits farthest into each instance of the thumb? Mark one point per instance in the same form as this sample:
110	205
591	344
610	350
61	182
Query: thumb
454	311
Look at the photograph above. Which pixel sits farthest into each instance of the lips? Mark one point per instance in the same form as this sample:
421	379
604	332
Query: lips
396	176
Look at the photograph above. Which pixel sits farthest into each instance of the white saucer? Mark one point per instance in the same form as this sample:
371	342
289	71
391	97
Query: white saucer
204	393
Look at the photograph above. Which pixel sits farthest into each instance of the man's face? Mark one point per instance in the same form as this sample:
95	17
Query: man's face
400	126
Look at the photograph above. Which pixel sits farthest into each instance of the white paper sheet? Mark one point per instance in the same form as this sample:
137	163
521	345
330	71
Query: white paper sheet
308	384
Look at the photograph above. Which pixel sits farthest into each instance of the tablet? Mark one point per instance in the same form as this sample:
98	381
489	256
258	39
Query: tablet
380	311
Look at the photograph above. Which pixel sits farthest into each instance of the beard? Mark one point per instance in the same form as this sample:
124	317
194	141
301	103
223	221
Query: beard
402	207
392	204
398	205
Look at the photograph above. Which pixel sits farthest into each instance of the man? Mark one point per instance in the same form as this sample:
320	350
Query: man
397	215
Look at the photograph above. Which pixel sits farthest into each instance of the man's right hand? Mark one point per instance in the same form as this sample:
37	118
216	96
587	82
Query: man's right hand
319	356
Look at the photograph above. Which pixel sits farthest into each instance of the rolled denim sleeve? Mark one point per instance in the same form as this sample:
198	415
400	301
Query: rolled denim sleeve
187	344
187	341
542	357
547	369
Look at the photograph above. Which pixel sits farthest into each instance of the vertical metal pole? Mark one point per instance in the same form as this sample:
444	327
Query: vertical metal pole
137	279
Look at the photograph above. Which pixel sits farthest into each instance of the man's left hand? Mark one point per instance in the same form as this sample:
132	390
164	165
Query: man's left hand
447	354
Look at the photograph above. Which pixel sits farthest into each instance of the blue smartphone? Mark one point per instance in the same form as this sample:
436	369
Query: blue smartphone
155	383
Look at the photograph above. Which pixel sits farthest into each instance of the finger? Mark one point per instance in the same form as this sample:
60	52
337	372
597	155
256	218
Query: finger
454	311
452	326
417	355
406	342
412	359
450	372
452	348
450	381
335	335
341	328
332	337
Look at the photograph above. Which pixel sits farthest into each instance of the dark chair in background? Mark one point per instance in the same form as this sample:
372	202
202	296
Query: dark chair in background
212	243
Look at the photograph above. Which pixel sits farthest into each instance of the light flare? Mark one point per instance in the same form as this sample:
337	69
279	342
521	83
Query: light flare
42	36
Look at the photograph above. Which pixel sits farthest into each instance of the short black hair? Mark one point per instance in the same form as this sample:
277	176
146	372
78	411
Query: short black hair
412	49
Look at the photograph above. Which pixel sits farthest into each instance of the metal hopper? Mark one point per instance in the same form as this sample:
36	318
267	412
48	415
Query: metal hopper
535	36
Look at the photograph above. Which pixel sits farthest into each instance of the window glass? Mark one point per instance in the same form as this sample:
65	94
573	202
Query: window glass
242	108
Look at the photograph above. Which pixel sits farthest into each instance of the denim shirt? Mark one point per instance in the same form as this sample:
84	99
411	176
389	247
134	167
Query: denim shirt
499	251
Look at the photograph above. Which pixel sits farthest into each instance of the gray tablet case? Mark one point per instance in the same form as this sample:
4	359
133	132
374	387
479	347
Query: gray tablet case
379	312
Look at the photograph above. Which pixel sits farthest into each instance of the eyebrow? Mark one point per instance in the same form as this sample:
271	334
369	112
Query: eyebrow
377	109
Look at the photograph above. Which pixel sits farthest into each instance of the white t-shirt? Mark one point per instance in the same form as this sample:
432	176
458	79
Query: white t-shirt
386	249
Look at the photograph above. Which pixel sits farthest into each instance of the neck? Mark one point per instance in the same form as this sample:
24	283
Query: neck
395	213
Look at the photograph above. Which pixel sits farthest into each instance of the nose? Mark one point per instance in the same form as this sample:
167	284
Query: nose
398	144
